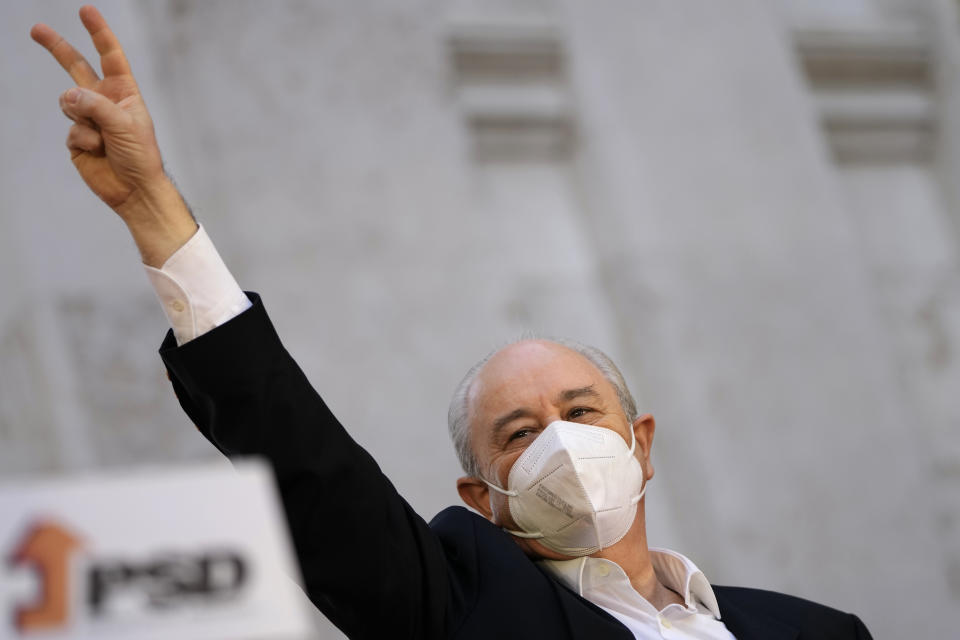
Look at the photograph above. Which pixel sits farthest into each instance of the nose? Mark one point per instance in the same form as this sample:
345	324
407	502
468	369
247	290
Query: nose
551	417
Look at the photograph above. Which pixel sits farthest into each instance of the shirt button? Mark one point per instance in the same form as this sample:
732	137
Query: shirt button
603	570
177	306
665	622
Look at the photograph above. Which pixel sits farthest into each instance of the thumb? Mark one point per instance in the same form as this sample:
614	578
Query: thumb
83	104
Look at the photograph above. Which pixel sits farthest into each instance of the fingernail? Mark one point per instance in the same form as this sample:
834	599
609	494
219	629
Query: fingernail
73	96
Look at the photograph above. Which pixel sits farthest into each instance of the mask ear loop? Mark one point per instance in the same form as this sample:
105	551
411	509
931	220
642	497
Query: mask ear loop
519	534
499	490
583	565
633	447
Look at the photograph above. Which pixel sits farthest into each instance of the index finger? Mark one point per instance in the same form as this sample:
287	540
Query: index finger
112	59
69	58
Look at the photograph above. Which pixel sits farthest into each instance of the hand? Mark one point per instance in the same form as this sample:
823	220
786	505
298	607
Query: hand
112	142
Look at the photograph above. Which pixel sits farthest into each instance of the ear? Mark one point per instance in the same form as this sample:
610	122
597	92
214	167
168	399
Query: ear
476	494
643	428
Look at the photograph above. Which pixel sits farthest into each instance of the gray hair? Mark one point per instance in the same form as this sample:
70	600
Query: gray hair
458	414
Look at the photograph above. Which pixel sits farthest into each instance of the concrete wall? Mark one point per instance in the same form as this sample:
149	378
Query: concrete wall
409	185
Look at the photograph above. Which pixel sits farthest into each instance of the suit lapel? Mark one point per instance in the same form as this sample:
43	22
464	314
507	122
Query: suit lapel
748	624
585	619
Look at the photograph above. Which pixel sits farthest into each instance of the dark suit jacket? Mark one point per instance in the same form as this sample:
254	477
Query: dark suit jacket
369	562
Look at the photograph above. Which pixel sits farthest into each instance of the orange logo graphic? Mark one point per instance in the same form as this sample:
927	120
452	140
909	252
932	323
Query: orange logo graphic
46	548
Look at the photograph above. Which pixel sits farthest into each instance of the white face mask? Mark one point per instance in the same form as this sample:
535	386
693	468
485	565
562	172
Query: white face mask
575	488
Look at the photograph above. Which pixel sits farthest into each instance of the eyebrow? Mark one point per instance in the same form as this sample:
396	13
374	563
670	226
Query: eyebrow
504	420
573	394
563	396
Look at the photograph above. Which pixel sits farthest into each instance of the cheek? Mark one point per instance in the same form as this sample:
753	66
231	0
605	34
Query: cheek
503	465
500	509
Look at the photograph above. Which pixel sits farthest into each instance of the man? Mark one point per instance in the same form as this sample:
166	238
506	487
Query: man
557	458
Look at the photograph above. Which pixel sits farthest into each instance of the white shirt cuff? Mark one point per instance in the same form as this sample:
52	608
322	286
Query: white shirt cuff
196	290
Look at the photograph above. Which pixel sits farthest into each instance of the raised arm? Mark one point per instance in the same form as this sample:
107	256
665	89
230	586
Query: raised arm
371	564
112	142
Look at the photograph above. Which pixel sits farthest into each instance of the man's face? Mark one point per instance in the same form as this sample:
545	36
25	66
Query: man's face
517	394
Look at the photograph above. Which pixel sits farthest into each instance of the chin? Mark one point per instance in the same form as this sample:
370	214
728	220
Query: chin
537	551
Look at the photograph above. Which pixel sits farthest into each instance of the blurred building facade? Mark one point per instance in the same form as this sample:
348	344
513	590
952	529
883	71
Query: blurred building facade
752	206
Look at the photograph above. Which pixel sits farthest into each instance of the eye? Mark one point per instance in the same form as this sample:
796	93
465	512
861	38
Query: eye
520	433
578	412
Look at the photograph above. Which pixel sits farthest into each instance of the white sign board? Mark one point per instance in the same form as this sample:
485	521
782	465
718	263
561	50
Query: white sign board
195	554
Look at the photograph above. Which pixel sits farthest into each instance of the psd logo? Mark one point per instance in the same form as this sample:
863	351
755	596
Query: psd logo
46	548
75	585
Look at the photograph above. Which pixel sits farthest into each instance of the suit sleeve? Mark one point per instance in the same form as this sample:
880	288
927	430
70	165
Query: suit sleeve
369	562
860	629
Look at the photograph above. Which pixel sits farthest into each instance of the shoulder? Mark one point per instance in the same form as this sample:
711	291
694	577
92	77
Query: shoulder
460	528
479	551
453	517
771	600
811	618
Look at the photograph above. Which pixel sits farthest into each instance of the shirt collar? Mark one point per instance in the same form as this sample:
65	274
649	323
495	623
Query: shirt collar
678	572
674	570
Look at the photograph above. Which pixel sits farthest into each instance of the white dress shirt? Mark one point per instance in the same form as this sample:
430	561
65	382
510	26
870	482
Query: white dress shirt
198	293
196	290
606	585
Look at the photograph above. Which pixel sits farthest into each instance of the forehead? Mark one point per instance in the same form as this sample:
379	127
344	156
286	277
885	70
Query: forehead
528	374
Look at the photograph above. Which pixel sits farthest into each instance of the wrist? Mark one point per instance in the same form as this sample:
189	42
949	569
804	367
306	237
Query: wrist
158	220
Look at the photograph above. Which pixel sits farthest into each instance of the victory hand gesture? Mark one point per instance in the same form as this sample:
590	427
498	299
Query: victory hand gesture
112	142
